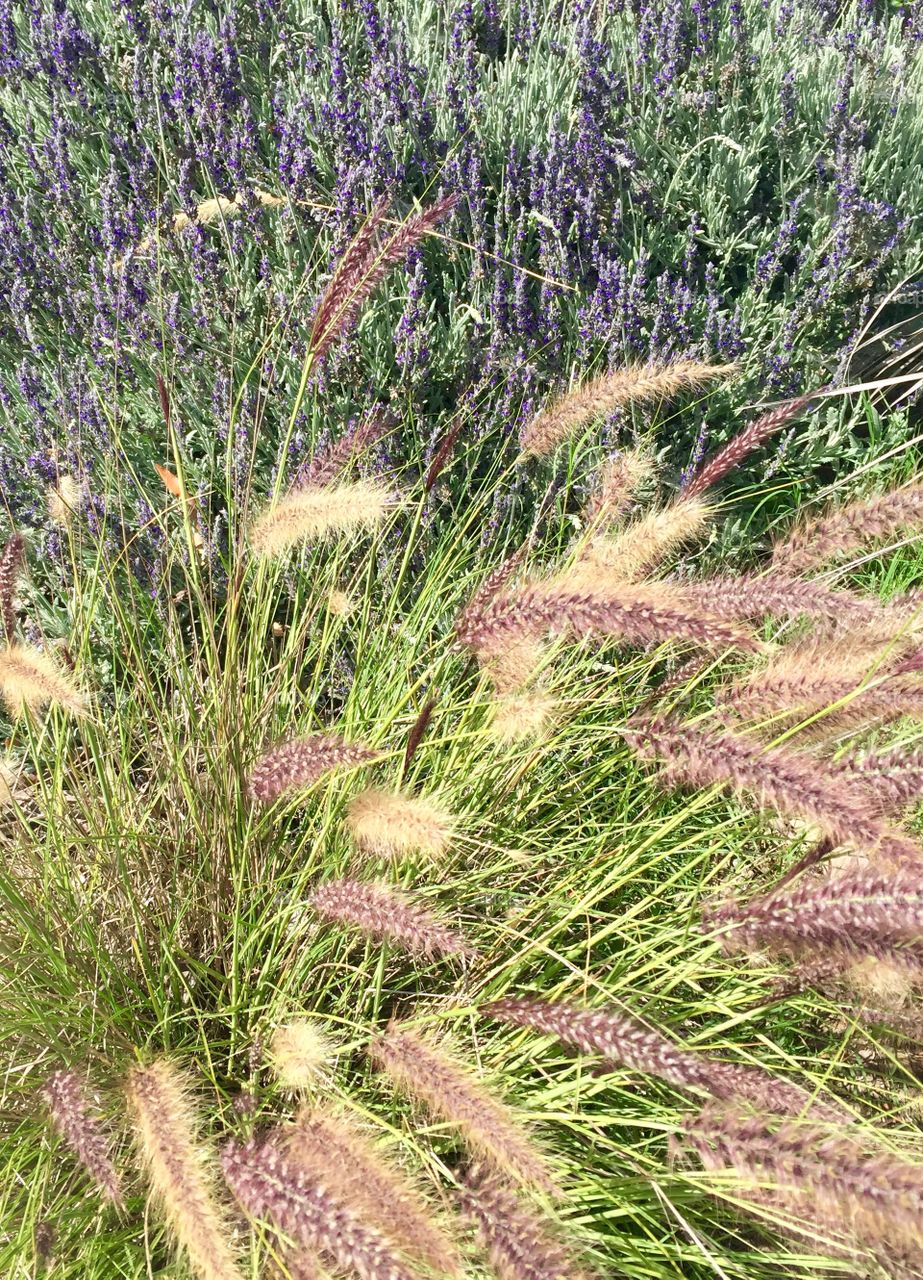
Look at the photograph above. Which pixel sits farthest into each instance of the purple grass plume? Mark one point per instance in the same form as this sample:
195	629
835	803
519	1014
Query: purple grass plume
299	762
622	1042
328	465
520	1242
835	533
777	779
733	453
364	265
822	1179
11	563
271	1186
892	779
453	1093
777	595
383	914
74	1117
638	614
859	913
333	1150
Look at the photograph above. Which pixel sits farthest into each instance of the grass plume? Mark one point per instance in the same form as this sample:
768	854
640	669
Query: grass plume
836	533
328	1147
733	453
298	1053
455	1095
177	1166
270	1185
385	915
317	513
395	823
12	560
773	778
74	1116
299	762
30	680
519	1241
569	413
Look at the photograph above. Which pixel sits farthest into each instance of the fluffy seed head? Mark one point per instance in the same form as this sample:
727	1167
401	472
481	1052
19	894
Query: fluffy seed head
734	452
639	548
840	531
319	513
299	1052
270	1185
65	499
74	1116
393	823
383	914
775	778
622	1042
618	480
11	562
332	1149
860	913
296	764
520	717
453	1093
640	385
29	680
520	1242
828	1178
178	1170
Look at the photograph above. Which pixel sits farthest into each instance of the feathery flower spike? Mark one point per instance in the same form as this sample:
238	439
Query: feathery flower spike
327	1146
830	1177
270	1185
383	914
862	912
178	1169
892	779
364	266
638	614
74	1117
736	449
449	1091
11	562
29	679
518	1240
815	541
298	1053
316	513
326	466
524	716
641	546
301	761
616	484
752	596
594	399
775	778
392	823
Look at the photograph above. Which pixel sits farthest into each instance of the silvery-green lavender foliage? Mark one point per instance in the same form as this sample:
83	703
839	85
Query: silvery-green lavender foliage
635	181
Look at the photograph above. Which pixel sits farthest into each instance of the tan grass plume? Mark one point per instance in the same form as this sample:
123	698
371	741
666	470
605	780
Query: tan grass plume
320	513
333	1149
299	1053
639	548
30	679
639	385
179	1169
522	717
393	823
617	482
452	1092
